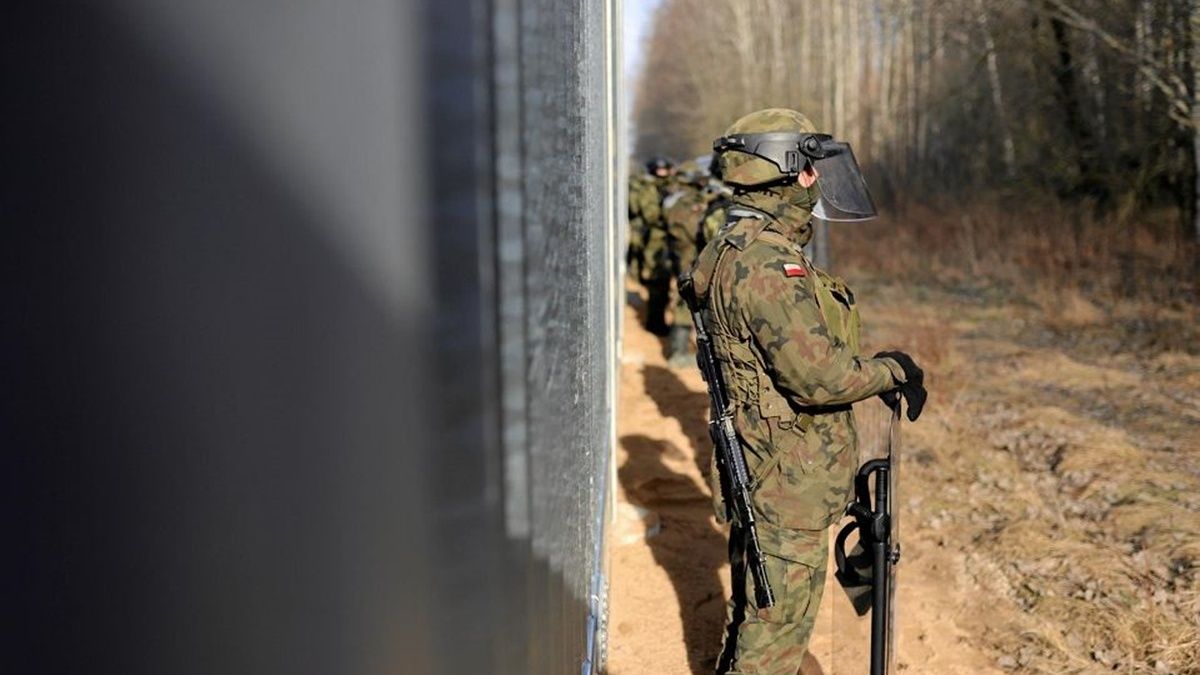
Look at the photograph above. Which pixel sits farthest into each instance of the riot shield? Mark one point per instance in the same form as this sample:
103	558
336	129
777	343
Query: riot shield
865	549
894	521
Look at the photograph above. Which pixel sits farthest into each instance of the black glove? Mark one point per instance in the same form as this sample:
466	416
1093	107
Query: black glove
913	389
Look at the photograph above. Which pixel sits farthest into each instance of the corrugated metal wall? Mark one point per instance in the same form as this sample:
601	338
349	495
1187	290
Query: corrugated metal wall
556	138
310	330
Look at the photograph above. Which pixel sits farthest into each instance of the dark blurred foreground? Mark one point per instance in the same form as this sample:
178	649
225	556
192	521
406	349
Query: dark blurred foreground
302	372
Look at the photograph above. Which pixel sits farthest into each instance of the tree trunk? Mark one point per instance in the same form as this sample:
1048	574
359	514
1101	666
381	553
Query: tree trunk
993	68
1068	91
906	94
744	37
887	115
1194	25
837	55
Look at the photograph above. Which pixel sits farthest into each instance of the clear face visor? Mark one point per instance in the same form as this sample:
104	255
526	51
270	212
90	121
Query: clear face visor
844	193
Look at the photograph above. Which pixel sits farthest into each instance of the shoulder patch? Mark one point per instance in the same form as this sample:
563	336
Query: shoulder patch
794	270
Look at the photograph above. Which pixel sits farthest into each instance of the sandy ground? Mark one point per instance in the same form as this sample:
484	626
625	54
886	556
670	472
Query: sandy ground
1050	493
669	588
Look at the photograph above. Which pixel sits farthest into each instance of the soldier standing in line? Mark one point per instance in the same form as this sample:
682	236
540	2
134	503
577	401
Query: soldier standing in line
684	212
715	214
637	225
653	268
786	338
644	204
681	212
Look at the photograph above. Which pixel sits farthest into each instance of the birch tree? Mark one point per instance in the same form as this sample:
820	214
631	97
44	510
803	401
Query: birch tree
1078	99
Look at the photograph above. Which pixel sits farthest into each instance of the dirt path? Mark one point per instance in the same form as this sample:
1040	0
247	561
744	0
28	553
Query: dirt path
669	588
1051	517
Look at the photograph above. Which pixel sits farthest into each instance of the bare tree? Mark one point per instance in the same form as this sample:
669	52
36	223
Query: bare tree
993	68
1079	98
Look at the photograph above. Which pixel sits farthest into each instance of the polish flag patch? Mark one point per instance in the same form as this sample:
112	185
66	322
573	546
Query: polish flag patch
794	270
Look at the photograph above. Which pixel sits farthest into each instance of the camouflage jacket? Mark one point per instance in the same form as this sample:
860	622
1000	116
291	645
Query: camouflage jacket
786	336
683	211
714	217
645	198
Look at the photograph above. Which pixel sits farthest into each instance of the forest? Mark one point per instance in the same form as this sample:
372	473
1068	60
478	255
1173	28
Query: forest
1073	121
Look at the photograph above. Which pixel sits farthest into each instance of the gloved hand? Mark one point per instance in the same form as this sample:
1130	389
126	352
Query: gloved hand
913	389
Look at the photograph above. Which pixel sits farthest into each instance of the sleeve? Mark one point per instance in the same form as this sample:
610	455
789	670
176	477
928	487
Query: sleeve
680	225
651	204
636	198
809	365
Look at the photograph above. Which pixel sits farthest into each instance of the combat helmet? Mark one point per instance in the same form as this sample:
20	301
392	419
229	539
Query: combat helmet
692	172
657	163
781	146
744	170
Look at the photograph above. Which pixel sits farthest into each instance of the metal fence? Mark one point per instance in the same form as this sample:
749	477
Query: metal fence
310	332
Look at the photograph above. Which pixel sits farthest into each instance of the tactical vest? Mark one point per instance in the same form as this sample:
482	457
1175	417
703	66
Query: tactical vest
741	364
749	385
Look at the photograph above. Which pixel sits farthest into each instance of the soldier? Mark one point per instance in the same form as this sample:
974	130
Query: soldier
786	338
633	250
681	213
719	201
684	211
653	266
644	202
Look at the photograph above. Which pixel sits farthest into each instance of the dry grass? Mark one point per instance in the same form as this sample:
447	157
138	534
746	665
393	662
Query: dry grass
1061	452
1047	252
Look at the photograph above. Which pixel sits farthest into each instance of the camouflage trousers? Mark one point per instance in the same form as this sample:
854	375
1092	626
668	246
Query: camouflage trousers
656	256
637	242
658	296
683	258
680	314
772	641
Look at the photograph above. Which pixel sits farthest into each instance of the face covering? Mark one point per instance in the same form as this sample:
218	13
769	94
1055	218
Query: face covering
790	205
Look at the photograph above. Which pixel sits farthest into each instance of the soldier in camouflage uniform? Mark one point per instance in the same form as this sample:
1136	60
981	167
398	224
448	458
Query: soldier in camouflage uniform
644	206
652	261
719	201
683	211
786	337
637	236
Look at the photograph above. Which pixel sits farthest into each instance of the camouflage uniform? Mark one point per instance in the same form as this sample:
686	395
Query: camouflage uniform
683	211
655	266
713	219
786	336
644	205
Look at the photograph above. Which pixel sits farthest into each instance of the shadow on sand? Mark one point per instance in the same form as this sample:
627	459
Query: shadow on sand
675	399
689	547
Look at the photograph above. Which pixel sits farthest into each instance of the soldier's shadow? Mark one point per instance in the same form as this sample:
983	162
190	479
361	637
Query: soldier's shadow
690	408
689	545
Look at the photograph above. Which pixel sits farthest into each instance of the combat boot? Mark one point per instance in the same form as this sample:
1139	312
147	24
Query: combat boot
680	354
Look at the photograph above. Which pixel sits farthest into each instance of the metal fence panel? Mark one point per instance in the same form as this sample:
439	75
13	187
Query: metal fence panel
308	361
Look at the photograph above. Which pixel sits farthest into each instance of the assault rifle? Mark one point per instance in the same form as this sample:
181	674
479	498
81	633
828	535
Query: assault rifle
868	572
731	463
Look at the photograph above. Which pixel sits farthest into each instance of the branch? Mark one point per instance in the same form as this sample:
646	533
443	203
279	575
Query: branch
1181	100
